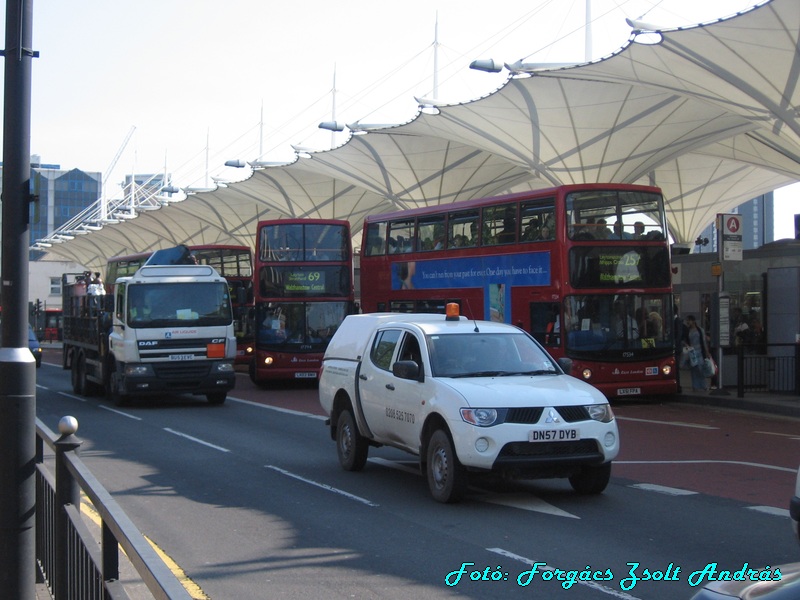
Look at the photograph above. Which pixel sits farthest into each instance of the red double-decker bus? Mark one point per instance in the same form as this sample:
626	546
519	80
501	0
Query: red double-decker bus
585	269
234	263
303	291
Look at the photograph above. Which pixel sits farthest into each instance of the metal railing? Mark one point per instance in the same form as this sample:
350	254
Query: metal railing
72	563
774	368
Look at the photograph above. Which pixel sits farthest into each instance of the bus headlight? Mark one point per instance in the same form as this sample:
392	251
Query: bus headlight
600	412
268	360
666	370
586	373
480	417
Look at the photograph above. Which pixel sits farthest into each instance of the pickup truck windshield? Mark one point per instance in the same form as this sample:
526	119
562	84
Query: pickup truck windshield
178	304
487	355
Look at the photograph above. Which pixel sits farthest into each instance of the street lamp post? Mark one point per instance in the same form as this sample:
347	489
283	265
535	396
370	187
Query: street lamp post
17	366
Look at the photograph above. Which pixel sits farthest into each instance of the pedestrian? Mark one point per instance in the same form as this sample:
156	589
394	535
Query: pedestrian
679	333
695	340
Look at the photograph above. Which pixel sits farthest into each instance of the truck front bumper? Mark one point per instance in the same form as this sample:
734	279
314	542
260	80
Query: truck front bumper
179	377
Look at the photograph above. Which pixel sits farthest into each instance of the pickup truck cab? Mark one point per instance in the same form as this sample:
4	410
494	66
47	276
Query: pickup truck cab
466	397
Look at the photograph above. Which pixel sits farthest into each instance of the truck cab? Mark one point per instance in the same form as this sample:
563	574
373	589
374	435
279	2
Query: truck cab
166	329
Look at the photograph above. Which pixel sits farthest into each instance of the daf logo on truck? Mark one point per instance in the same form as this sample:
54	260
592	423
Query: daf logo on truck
169	302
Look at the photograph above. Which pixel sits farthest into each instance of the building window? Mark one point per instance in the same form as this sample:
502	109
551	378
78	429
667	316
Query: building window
55	286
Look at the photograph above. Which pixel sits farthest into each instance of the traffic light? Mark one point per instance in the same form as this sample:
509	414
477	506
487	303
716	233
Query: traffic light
37	307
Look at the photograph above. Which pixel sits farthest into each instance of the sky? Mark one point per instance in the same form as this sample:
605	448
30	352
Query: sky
182	86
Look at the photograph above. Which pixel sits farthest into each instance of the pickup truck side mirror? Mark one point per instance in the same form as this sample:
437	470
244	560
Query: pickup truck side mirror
566	364
407	369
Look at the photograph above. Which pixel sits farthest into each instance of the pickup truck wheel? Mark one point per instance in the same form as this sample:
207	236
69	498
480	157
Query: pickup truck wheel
591	479
447	479
216	398
351	446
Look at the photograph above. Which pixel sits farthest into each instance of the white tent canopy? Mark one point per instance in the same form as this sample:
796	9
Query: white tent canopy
709	114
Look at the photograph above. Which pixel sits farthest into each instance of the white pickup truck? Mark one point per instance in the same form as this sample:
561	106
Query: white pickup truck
466	397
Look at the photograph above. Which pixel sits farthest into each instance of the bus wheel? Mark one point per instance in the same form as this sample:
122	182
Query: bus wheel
447	479
251	371
216	398
591	479
351	446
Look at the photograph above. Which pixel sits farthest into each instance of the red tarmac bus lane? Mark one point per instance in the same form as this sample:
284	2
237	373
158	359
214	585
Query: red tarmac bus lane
301	395
744	456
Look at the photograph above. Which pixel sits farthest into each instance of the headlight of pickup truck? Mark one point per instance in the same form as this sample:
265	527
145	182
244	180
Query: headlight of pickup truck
138	370
225	367
600	412
480	417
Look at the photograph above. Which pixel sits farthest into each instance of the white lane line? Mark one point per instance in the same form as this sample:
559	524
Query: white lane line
791	436
323	486
771	510
662	489
119	412
540	566
197	440
72	396
740	463
673	423
287	411
526	501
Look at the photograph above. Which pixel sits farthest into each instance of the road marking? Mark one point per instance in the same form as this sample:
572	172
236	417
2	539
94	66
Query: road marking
119	412
324	486
771	510
544	567
700	462
673	423
287	411
194	590
791	436
526	501
73	396
194	439
662	489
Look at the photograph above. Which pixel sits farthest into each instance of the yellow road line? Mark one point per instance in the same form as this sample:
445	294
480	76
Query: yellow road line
190	586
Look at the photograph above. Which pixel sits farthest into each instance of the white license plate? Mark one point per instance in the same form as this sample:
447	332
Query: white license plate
554	435
181	356
311	375
629	391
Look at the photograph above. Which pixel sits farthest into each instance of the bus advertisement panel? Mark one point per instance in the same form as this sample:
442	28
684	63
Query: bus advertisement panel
585	269
234	263
303	291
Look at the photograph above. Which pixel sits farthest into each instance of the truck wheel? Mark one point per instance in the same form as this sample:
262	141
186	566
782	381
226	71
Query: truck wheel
351	446
216	398
447	479
591	479
79	374
112	386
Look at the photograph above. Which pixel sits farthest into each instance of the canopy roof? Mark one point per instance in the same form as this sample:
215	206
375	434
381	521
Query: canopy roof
709	115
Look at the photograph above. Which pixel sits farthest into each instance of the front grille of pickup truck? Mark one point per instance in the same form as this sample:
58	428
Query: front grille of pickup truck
550	449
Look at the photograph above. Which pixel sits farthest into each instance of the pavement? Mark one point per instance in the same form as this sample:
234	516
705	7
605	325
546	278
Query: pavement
785	405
